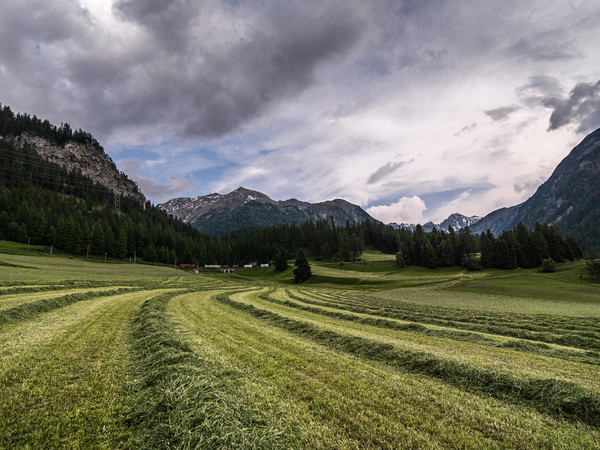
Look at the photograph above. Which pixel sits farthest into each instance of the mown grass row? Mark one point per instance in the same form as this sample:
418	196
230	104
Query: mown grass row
537	348
464	320
27	311
536	322
48	287
584	327
550	396
179	400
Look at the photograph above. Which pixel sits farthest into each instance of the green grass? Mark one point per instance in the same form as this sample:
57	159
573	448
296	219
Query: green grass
548	395
323	398
63	377
17	248
375	255
179	400
364	355
534	285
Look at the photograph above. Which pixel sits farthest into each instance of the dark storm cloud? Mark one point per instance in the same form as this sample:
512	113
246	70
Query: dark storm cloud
581	107
194	68
385	170
277	60
501	113
538	87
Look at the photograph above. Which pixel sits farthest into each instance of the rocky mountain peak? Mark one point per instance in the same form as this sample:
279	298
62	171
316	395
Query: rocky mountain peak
216	213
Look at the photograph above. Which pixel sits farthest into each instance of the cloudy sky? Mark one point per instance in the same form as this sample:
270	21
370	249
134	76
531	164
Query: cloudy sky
412	109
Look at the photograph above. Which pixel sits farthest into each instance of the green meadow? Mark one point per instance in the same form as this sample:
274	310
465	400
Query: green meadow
98	354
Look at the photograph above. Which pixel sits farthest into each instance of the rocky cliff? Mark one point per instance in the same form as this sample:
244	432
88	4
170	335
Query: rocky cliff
88	158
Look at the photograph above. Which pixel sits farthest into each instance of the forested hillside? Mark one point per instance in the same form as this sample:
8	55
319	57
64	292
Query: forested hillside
520	247
43	203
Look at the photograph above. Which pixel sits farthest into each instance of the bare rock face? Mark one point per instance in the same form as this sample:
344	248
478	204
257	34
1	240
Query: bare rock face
90	159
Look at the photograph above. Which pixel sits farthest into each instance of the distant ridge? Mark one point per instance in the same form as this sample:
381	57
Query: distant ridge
218	213
455	221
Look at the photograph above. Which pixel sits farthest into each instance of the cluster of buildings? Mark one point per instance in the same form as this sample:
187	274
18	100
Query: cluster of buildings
223	268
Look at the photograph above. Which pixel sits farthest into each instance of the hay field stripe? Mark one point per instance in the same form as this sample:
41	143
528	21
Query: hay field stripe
179	400
431	316
8	301
585	339
27	311
64	376
322	398
559	398
487	340
504	360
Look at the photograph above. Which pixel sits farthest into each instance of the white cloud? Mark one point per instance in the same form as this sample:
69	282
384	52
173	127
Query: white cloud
405	210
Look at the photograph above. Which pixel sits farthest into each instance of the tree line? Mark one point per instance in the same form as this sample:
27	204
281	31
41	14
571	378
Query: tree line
12	124
41	203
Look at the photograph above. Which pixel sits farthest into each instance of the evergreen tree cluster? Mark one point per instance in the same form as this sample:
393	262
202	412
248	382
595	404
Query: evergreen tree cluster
12	124
302	271
520	247
42	203
322	240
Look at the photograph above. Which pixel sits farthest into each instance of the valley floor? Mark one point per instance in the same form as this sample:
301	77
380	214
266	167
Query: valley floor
129	356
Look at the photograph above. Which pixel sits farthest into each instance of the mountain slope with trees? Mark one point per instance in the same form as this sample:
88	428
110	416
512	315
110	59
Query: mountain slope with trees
72	150
45	203
216	214
570	198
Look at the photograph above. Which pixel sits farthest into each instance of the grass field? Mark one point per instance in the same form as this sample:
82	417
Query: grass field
364	355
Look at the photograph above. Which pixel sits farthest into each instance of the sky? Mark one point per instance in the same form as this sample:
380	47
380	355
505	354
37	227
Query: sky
411	109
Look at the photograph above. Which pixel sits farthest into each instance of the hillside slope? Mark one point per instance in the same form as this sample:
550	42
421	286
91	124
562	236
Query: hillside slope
74	151
570	198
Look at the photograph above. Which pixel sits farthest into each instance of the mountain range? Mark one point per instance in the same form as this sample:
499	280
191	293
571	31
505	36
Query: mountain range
570	197
455	221
218	213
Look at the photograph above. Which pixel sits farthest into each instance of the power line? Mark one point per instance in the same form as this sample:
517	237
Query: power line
51	180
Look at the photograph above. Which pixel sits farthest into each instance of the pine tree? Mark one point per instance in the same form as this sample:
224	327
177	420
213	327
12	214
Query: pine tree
302	271
280	263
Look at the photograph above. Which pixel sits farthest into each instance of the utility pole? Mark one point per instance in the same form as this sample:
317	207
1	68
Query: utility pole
50	249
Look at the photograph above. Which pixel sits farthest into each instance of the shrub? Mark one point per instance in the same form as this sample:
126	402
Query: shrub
592	266
548	265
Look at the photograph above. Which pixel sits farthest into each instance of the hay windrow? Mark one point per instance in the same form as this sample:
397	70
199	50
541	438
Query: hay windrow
580	333
178	399
27	311
558	398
